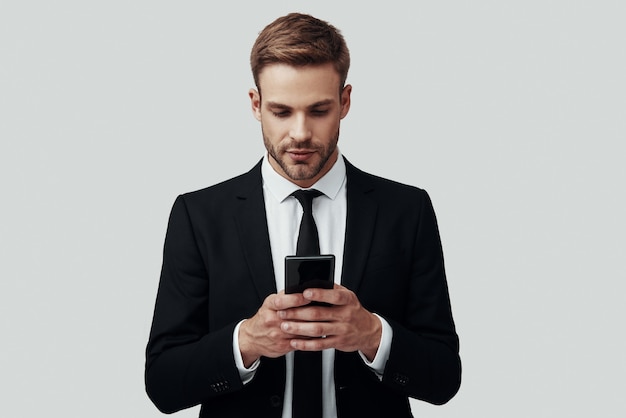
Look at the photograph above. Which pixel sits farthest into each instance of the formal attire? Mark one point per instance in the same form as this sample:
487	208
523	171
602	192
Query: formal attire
218	269
283	212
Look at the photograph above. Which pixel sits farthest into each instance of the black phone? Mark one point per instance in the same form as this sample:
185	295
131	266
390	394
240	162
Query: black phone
304	272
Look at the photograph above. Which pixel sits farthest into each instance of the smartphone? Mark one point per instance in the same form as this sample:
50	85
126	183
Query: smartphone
304	272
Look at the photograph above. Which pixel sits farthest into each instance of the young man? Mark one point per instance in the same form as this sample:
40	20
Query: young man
226	336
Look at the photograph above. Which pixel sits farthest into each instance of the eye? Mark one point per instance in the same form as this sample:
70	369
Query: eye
319	112
281	114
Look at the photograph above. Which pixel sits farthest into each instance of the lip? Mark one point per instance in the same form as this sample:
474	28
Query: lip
300	155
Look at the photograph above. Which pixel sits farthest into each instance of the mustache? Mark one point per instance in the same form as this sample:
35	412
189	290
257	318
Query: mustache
295	145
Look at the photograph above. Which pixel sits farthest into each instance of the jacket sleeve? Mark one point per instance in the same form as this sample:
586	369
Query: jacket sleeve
185	363
424	359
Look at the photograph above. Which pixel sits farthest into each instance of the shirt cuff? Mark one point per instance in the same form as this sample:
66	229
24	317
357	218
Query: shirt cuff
382	354
246	374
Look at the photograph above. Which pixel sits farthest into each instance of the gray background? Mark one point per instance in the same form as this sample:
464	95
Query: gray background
510	113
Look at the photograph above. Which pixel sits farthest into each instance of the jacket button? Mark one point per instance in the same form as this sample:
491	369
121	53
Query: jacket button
276	401
219	387
400	379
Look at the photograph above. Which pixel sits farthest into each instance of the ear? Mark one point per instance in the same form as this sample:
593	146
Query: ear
255	101
345	100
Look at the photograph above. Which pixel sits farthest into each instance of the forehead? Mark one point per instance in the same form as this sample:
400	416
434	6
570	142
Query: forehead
294	86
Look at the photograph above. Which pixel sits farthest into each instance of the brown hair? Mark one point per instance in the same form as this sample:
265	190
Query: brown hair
298	40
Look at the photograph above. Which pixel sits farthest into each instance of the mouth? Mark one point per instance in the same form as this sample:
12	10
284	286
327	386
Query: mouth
300	156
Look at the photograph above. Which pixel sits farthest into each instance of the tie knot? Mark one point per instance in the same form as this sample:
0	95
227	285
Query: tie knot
305	197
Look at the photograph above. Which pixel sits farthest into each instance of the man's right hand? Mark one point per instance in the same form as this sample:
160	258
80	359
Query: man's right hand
261	335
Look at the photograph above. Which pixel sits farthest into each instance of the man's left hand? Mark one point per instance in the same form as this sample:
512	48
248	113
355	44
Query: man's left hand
345	326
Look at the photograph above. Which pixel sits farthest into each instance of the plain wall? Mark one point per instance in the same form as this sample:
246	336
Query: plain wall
511	114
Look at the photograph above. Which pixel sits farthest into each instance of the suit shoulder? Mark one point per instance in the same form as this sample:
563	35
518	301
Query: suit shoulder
383	185
223	187
226	190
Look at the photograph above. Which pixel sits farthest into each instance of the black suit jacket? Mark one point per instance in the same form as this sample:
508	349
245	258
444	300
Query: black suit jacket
217	270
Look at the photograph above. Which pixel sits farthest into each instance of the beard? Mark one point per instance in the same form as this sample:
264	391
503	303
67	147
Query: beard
305	170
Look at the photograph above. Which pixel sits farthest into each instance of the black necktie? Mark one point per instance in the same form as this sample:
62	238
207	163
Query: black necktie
307	371
308	240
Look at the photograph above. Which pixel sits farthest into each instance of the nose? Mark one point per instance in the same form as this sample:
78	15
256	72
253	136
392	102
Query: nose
300	130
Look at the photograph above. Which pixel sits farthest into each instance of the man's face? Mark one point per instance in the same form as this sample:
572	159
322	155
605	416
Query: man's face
300	112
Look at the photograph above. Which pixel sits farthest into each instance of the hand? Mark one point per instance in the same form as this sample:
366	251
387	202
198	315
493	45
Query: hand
345	325
262	335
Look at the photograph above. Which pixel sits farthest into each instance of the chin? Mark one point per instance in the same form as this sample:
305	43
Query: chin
299	174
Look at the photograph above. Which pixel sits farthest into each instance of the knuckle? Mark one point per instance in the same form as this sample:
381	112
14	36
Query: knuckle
268	320
315	314
273	334
318	345
269	301
318	330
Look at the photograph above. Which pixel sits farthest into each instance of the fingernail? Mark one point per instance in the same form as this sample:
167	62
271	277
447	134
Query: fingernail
281	314
307	294
284	326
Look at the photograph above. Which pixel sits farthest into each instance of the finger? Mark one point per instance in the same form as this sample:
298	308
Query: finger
312	344
307	329
286	301
311	313
336	296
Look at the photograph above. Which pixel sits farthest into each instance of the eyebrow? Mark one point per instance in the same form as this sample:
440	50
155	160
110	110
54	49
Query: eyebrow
276	105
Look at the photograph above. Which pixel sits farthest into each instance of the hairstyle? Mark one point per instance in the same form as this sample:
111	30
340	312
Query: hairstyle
298	40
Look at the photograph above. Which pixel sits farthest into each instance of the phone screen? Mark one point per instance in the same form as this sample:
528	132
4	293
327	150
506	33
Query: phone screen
304	272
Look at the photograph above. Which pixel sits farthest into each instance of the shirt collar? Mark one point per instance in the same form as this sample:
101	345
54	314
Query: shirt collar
281	188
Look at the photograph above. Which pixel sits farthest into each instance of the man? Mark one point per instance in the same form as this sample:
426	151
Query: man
226	336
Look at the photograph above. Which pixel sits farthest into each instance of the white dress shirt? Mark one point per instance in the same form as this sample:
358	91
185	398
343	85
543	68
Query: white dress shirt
284	213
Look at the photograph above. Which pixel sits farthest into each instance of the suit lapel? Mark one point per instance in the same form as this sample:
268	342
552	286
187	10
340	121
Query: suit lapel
360	222
253	232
